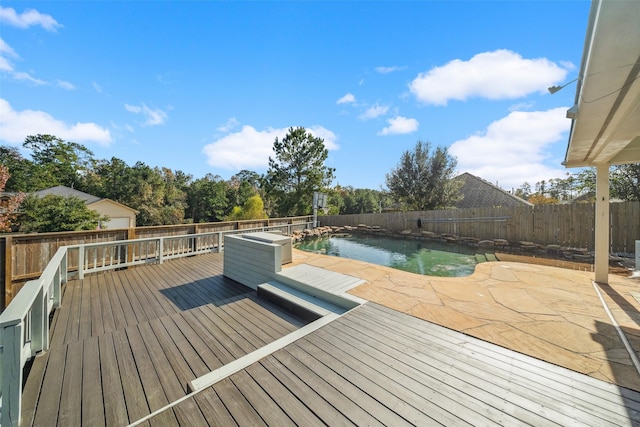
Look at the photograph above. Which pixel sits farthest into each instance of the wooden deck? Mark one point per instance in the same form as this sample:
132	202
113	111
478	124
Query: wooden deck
126	344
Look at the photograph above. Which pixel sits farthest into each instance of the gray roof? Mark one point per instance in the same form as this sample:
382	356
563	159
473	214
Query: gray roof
61	190
479	193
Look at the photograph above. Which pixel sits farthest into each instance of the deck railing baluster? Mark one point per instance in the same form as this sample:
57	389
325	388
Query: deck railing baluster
24	324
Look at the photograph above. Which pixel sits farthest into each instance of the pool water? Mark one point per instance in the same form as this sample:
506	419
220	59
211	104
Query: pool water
416	256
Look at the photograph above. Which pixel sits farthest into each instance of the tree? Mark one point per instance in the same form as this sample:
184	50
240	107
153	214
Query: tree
423	181
524	191
174	202
541	199
241	186
22	173
296	171
347	200
207	199
112	179
624	181
57	162
9	206
253	208
57	213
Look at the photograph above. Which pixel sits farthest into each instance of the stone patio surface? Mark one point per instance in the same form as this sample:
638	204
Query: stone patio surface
550	313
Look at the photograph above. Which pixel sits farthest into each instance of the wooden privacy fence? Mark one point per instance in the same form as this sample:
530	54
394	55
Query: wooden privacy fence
25	256
570	225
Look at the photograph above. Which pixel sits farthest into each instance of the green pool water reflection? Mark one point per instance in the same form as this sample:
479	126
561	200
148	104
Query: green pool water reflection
416	256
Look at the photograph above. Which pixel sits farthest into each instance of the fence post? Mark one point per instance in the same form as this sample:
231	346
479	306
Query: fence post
160	249
11	374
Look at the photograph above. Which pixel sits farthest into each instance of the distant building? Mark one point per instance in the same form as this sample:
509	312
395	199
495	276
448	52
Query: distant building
120	216
478	193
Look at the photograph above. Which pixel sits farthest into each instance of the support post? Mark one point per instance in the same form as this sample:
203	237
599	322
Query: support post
601	262
11	374
81	262
315	212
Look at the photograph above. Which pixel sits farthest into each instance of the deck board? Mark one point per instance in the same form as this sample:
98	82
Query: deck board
212	408
240	409
449	394
98	308
70	409
114	405
92	401
126	343
134	396
325	401
478	359
104	299
377	366
266	405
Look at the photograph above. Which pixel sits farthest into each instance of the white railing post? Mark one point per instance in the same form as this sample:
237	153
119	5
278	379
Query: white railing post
11	374
161	249
81	262
61	278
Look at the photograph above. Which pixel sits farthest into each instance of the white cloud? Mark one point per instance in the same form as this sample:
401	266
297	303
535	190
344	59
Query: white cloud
6	49
347	99
152	117
501	74
400	125
513	150
97	87
231	124
387	70
15	126
374	111
20	75
27	19
330	138
250	148
66	85
7	67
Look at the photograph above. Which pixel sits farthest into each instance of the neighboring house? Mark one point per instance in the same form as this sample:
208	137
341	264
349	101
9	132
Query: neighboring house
478	193
120	216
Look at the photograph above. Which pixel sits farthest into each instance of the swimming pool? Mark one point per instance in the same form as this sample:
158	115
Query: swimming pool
417	256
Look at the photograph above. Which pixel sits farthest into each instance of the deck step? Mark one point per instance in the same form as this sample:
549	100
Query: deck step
296	301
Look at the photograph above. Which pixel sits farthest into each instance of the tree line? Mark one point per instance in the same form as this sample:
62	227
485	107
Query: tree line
161	196
424	179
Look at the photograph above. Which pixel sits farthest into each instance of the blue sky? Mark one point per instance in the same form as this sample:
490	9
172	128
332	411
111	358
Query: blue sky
206	87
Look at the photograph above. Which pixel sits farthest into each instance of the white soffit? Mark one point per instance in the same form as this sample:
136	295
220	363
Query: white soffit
606	128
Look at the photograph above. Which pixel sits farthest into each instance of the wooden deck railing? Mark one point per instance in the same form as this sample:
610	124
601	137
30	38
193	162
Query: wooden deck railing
24	257
24	331
24	324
